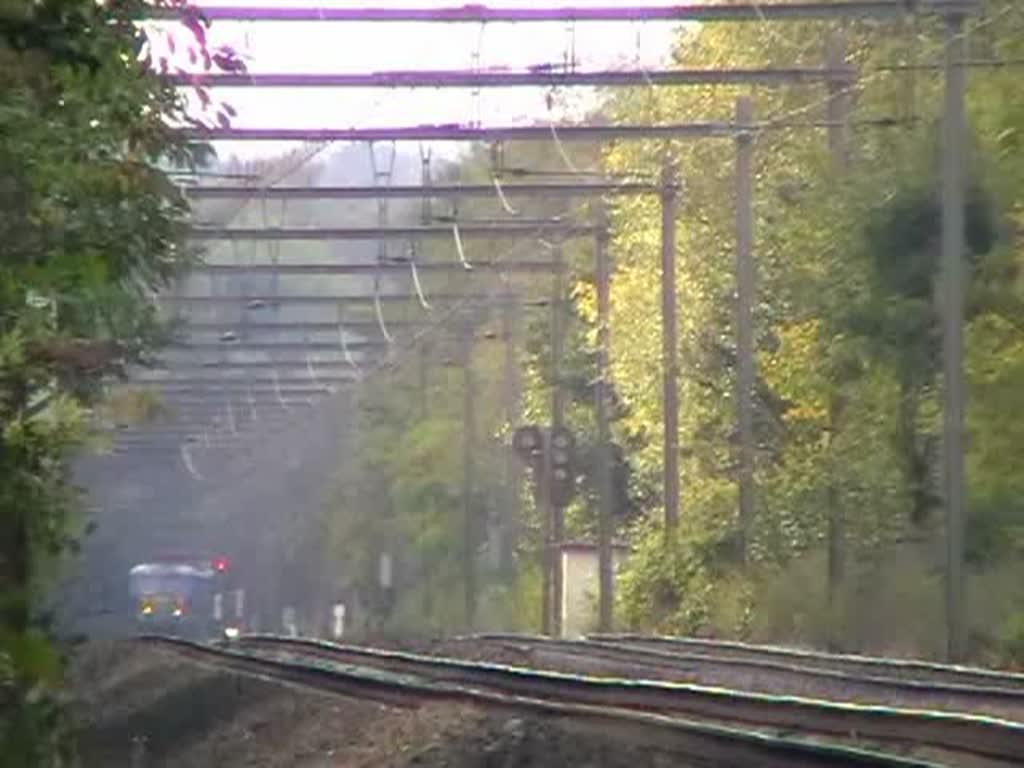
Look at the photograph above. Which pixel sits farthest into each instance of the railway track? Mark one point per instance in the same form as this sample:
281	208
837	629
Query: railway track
695	742
904	669
964	739
989	693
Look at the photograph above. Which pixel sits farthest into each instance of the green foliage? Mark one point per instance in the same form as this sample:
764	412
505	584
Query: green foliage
847	405
670	582
89	228
1012	641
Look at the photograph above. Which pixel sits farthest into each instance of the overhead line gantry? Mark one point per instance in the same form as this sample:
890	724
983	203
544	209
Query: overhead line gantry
474	13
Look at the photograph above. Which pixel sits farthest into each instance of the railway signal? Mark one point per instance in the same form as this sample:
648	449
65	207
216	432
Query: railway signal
534	445
528	443
562	484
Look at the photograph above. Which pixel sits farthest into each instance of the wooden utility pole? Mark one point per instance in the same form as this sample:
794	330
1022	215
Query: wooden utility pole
468	476
606	583
557	422
745	289
669	345
839	103
953	246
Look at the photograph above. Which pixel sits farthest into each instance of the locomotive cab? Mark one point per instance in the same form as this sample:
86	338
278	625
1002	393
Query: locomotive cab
172	598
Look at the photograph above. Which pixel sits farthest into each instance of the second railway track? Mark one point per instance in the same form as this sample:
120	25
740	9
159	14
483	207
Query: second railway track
992	693
959	739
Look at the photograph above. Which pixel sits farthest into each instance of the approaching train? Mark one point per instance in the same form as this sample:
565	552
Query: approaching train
186	597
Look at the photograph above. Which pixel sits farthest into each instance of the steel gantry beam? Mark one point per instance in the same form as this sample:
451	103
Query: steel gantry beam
534	132
261	302
270	346
479	13
448	191
238	383
538	76
298	364
458	132
231	387
299	326
485	267
512	229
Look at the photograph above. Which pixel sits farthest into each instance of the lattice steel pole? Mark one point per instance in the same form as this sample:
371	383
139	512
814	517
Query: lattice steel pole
953	246
606	592
670	344
745	289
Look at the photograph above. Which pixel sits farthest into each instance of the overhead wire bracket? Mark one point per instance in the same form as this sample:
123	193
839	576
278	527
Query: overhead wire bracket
458	247
379	310
277	389
416	277
186	459
344	345
501	196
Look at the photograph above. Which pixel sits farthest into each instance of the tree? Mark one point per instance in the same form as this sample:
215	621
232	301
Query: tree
90	227
846	406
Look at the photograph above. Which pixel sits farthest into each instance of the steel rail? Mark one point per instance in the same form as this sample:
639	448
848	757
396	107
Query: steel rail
232	192
768	675
704	741
487	267
478	13
513	79
966	735
512	229
909	668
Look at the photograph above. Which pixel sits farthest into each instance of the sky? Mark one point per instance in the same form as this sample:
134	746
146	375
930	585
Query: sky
276	47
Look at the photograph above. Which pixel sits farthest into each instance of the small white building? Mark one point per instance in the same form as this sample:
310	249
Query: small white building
580	584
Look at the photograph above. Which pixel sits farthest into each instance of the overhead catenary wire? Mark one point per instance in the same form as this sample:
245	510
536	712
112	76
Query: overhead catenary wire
872	75
414	265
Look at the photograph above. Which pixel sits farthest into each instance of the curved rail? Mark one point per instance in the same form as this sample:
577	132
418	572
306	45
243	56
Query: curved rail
708	743
966	735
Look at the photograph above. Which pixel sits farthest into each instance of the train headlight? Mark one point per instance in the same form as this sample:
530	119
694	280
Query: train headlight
147	609
231	632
